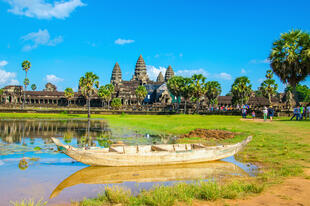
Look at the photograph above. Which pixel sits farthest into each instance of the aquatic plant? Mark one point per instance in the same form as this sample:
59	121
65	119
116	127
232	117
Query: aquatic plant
29	202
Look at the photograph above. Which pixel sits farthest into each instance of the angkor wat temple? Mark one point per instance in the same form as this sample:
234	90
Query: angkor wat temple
158	95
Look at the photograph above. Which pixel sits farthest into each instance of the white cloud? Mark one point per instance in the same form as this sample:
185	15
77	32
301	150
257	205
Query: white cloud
243	71
190	72
42	37
3	63
223	75
260	80
7	78
53	78
157	55
42	9
153	72
264	61
181	54
120	41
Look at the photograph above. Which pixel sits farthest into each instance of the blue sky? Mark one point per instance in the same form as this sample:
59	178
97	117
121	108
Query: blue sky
220	39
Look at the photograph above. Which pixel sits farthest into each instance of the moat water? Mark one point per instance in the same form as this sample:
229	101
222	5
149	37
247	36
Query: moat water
54	177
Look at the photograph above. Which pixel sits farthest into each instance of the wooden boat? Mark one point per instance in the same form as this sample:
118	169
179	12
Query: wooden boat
142	155
110	175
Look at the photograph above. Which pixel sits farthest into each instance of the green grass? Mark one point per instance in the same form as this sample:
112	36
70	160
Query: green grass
281	148
169	195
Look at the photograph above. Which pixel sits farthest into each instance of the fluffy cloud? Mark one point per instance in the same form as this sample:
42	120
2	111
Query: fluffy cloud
53	78
190	72
223	75
243	71
120	41
42	37
7	78
3	63
153	72
42	9
264	61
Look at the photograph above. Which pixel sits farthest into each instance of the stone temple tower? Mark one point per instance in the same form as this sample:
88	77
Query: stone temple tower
160	77
116	77
140	71
169	73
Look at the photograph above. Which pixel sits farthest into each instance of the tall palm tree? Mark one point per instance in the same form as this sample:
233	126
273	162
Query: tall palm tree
69	94
174	85
186	91
106	92
198	88
26	65
269	87
87	86
290	58
141	93
213	90
241	90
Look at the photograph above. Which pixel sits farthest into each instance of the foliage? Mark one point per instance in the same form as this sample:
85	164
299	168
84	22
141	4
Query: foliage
87	84
30	202
105	92
1	92
302	91
241	90
33	87
116	103
174	85
26	82
269	87
23	164
213	90
141	93
186	90
290	57
198	88
69	93
26	65
104	141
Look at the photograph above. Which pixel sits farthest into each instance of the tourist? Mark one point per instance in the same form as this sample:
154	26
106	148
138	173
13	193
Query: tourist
253	114
243	112
302	110
296	113
265	112
308	112
270	112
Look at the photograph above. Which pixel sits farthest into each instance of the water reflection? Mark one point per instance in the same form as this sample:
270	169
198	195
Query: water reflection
108	175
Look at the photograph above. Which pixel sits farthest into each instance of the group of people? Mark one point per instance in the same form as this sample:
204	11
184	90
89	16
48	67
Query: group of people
266	112
301	112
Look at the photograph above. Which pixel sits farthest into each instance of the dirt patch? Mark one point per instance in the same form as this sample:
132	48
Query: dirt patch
293	191
209	134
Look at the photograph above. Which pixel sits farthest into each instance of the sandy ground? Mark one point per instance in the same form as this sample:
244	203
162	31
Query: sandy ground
293	191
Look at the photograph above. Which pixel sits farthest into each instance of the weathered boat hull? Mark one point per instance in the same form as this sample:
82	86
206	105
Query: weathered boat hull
139	158
109	175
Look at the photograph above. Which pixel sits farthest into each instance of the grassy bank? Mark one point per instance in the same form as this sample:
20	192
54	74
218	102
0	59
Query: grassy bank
281	148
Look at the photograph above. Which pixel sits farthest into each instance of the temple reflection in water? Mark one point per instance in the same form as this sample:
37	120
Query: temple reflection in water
12	131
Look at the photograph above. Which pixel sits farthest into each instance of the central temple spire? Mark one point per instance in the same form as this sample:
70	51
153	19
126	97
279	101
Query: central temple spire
116	74
140	70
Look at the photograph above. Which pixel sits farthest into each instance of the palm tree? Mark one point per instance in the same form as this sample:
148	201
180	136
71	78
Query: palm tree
241	90
174	85
198	88
87	84
33	87
269	87
213	90
290	58
141	92
26	65
106	92
186	91
69	94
